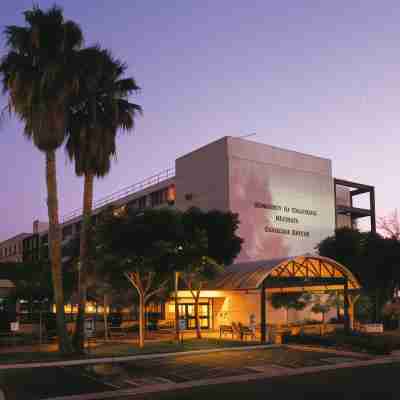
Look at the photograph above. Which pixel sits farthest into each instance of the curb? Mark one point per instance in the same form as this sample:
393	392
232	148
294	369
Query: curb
224	380
130	358
333	351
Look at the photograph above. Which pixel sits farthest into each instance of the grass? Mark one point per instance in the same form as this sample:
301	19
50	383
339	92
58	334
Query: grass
168	346
123	349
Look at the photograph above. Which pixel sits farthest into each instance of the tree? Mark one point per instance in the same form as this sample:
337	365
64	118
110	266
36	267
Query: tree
372	258
200	257
197	273
390	225
99	109
290	300
38	76
140	246
321	305
220	228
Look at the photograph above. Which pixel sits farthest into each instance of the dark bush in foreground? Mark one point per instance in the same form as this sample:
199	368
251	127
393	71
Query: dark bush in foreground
357	342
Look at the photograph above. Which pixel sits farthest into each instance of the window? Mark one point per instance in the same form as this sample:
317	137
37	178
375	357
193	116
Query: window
142	202
159	197
119	211
66	232
45	239
78	227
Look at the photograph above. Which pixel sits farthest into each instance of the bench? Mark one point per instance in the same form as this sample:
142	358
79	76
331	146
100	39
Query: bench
226	329
123	329
245	331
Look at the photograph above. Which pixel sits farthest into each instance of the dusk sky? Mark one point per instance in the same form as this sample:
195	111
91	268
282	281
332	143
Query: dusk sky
317	77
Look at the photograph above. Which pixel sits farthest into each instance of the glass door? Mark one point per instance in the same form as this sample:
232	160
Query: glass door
187	312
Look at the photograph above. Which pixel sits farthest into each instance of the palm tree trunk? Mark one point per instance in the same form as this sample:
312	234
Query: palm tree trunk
79	338
55	251
105	303
141	320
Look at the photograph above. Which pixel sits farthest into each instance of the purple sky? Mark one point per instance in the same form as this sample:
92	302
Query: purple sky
323	80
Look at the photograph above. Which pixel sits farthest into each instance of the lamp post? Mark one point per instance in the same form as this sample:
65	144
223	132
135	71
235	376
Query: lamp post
176	284
176	281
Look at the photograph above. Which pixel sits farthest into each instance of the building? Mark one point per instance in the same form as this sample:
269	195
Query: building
11	250
287	201
242	294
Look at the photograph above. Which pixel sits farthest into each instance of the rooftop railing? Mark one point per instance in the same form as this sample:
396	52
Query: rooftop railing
120	194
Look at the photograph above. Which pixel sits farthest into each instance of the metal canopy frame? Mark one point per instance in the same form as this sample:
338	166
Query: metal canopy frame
355	212
307	272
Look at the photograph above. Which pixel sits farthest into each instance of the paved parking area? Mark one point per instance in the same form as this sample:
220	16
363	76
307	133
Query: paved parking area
184	368
44	383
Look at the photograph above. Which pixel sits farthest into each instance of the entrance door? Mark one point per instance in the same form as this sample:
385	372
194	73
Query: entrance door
186	312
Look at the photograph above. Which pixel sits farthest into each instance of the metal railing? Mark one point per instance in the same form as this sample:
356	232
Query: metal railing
124	192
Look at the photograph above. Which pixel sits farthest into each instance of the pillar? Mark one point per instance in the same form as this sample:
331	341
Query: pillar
346	307
263	313
351	316
372	209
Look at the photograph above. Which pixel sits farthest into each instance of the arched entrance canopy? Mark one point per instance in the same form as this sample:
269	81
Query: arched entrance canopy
305	271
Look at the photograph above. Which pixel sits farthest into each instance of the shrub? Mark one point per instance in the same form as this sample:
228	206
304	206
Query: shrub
355	341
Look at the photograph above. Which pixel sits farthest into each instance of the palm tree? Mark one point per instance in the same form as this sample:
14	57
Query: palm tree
38	77
100	108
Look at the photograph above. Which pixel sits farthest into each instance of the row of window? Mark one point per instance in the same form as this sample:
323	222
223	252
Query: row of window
162	196
11	250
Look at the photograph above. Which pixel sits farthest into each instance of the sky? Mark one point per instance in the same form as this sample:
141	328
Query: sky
317	77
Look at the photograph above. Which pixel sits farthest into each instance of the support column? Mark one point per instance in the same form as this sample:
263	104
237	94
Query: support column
263	313
372	208
351	316
346	307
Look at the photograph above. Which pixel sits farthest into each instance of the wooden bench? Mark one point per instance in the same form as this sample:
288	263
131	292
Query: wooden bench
245	331
226	329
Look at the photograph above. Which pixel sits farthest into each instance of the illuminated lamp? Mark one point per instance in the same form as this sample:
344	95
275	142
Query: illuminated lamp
171	194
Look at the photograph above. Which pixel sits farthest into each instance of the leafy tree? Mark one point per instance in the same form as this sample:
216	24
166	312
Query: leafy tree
373	259
32	281
290	300
323	303
139	246
99	109
389	225
220	227
195	258
197	273
38	76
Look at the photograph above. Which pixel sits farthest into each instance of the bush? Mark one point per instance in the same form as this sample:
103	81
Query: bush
355	341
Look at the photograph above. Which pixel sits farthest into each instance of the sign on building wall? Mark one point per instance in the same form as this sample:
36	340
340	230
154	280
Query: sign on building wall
283	211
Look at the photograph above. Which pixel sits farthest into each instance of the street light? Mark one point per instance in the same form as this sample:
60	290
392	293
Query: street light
176	284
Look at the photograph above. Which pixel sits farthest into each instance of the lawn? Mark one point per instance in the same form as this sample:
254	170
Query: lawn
115	349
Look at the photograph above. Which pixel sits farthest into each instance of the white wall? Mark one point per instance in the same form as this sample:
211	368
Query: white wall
203	174
281	181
